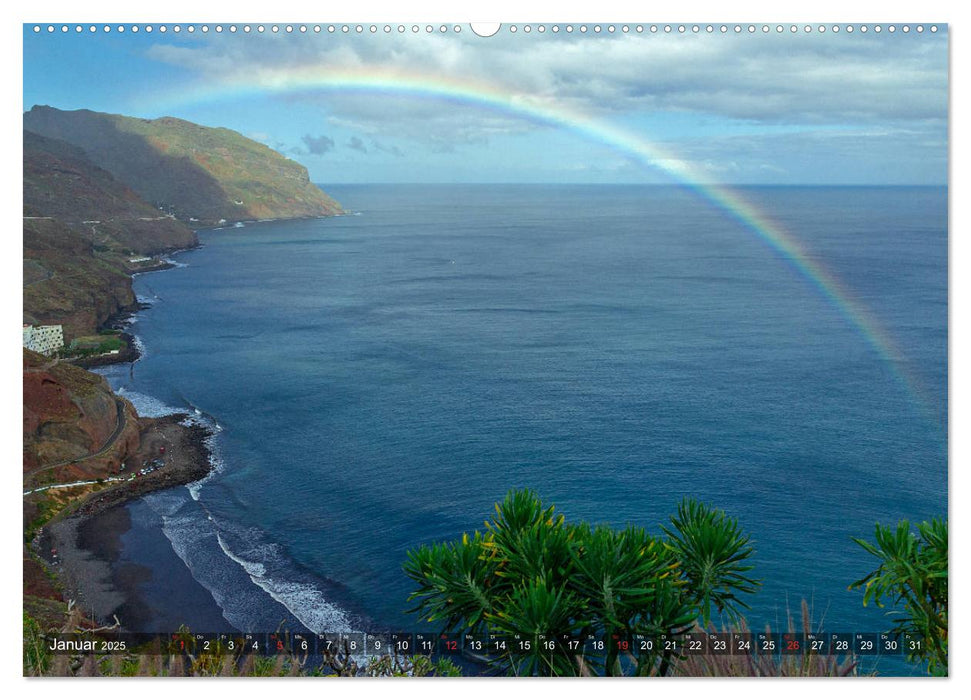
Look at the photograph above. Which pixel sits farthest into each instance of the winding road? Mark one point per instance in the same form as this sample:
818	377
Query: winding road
119	428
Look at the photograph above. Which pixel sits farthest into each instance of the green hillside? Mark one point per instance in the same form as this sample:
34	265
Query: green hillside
193	172
60	182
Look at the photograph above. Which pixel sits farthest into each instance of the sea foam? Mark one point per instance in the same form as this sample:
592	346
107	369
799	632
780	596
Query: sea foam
238	565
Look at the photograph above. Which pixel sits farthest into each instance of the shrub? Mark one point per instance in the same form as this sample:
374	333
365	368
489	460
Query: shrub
912	575
534	577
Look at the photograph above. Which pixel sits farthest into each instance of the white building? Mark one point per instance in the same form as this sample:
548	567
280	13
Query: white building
43	339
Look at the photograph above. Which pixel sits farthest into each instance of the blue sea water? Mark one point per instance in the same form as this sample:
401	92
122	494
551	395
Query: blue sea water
381	379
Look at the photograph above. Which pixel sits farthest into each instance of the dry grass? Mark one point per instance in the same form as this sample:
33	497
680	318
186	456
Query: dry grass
765	665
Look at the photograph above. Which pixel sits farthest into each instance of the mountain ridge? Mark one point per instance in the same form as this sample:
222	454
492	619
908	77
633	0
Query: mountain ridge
201	174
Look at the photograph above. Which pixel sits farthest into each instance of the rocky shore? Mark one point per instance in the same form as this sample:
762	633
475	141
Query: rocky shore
80	556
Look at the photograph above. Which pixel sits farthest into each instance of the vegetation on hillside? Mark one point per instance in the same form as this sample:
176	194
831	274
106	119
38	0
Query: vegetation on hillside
191	171
92	345
912	577
80	228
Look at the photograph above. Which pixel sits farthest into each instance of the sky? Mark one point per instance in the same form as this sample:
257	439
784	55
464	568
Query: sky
586	107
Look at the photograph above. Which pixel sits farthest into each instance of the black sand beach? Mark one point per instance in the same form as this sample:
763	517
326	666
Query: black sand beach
111	555
157	590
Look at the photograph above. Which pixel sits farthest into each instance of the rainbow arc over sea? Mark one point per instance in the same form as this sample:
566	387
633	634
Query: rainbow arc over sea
393	81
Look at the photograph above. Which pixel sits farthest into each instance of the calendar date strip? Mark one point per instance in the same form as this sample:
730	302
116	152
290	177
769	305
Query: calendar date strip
485	645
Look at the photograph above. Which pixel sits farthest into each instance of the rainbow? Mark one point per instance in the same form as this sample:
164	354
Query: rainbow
388	80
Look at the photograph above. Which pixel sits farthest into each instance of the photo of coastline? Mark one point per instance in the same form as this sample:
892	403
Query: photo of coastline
542	350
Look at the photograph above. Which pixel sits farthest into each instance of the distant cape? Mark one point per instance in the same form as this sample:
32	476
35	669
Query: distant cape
195	173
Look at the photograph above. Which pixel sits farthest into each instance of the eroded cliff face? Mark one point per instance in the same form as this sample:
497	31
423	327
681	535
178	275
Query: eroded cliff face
67	283
61	182
70	413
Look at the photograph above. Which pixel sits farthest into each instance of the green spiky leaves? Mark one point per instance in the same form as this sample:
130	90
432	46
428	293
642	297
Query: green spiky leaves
712	552
912	577
533	576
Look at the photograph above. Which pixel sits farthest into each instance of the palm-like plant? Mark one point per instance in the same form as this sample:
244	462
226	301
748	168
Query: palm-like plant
711	551
913	575
535	577
455	582
535	612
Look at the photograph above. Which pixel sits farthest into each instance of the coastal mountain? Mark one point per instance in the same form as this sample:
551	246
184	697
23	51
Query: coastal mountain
104	195
81	226
62	183
68	282
193	172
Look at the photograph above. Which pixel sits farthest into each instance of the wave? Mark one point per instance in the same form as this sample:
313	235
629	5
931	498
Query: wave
216	463
192	536
148	406
140	347
267	567
196	534
251	578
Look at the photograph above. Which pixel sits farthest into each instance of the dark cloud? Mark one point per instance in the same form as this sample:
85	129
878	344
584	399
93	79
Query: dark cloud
357	144
393	150
317	145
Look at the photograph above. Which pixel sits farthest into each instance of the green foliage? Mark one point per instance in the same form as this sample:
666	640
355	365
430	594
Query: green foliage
91	346
425	666
264	666
37	657
912	575
129	666
46	509
712	551
534	578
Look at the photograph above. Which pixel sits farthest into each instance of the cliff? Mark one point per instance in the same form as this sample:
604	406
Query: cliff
191	171
68	282
69	414
80	227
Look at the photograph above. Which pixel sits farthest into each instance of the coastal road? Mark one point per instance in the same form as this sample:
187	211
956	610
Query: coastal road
44	367
119	427
72	484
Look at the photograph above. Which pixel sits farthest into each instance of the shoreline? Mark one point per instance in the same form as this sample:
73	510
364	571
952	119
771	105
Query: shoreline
82	558
121	320
108	560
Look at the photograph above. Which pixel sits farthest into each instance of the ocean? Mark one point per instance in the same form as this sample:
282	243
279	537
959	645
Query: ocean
379	380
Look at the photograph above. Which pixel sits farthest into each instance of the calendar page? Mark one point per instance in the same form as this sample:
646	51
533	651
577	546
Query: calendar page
438	349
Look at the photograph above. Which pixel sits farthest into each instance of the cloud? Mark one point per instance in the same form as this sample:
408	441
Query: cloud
822	156
774	77
317	145
393	150
865	84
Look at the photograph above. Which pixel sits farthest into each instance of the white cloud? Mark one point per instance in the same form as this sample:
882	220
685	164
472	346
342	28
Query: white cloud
823	79
856	92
